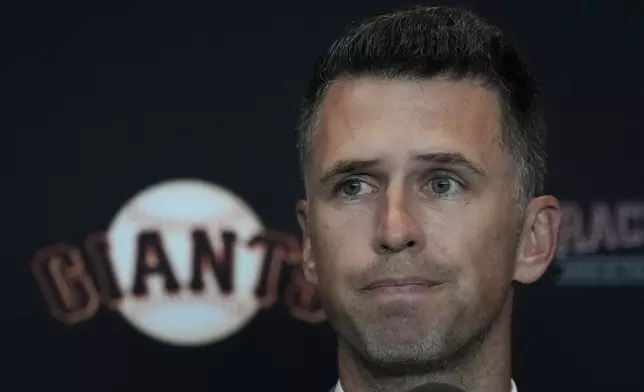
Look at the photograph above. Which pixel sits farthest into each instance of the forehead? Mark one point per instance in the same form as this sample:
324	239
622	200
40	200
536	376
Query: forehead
369	118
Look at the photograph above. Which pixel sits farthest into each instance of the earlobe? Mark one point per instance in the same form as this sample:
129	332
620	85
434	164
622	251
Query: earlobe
308	263
538	242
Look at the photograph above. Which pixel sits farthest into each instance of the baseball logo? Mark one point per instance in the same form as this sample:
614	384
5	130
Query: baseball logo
182	247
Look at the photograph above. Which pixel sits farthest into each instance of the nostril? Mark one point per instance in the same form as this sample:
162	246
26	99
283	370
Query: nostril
388	247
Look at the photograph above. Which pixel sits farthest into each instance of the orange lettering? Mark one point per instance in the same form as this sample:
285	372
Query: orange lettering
278	248
63	280
302	298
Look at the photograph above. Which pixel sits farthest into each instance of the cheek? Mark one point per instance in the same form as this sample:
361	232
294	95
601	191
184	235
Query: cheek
493	267
479	242
340	241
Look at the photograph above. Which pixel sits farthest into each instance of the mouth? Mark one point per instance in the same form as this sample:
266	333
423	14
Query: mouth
401	284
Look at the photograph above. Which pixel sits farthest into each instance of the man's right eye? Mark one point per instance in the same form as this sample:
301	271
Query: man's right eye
353	187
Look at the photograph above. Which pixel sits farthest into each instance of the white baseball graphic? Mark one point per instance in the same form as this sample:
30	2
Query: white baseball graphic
173	209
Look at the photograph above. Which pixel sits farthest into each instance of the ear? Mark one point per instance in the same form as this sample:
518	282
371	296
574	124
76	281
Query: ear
538	242
308	263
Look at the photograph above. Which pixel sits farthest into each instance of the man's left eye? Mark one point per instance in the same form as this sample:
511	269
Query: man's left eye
443	185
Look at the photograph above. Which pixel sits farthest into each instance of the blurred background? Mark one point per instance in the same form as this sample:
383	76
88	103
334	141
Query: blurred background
141	135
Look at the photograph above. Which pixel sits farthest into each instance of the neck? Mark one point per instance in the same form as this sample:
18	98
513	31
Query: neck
487	368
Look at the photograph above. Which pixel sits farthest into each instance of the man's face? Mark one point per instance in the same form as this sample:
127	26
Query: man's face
411	222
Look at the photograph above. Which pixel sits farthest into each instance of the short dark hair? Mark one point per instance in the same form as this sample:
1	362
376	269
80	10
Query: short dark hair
427	42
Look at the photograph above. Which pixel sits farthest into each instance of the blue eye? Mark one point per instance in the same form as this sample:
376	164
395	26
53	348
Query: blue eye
442	185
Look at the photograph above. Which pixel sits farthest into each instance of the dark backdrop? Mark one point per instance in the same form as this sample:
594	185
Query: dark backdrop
103	101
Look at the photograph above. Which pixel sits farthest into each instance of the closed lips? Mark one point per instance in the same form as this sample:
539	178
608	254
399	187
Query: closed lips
401	283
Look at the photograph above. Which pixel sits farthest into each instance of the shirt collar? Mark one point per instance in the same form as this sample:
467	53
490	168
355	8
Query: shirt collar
338	387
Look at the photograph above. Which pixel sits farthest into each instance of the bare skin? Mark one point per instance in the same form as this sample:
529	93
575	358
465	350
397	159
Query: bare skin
414	234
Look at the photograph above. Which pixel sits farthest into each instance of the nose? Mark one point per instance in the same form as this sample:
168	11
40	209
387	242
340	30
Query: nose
398	229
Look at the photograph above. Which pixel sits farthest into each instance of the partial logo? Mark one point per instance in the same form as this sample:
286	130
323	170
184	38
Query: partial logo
185	262
602	244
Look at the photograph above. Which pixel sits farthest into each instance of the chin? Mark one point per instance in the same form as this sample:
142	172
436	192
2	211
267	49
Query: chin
405	350
397	346
409	348
405	361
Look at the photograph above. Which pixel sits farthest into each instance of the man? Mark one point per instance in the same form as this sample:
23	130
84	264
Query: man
422	147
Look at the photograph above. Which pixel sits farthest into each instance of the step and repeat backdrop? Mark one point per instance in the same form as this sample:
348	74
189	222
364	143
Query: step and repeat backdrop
153	240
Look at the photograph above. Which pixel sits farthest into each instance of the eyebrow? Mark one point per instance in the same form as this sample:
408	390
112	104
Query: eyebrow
452	159
344	167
